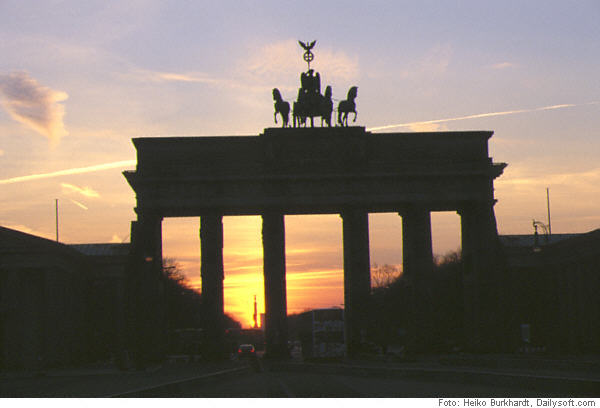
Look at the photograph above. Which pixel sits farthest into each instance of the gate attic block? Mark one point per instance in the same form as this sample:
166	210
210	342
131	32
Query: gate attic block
312	171
342	170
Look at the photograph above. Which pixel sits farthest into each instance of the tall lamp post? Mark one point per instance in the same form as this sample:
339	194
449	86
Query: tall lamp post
536	244
56	216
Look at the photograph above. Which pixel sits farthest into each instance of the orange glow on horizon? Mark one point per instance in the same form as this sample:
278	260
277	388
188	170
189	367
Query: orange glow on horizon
313	280
314	257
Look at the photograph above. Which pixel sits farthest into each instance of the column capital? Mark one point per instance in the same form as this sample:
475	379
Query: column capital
148	214
471	206
409	209
352	211
212	213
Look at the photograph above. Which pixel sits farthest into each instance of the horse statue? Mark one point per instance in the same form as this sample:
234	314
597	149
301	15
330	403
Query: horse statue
326	107
282	107
346	106
299	111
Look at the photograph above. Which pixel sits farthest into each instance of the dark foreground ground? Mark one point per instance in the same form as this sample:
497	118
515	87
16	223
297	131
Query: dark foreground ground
438	376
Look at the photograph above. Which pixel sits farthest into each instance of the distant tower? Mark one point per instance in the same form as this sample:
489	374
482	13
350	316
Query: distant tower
255	314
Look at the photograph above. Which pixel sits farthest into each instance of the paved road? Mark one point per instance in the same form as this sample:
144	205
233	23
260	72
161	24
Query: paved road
289	379
86	383
304	385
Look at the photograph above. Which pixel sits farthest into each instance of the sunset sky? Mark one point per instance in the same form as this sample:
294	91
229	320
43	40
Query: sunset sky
79	79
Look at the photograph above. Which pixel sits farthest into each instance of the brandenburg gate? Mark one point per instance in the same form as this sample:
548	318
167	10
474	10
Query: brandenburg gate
328	170
309	170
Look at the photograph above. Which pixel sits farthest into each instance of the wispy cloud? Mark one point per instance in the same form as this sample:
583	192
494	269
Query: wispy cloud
588	181
503	65
229	82
116	239
68	172
281	61
276	63
433	63
78	204
158	76
84	191
480	115
34	105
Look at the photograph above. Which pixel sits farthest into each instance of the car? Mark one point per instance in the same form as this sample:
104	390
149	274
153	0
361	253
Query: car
246	351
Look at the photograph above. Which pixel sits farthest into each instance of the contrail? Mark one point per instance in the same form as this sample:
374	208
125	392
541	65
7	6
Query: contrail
124	163
482	115
68	172
78	204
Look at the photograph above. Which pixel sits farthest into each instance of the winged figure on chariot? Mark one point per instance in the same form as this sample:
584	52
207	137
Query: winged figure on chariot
310	103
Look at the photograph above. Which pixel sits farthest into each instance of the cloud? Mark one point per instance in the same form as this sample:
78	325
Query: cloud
480	115
275	63
85	191
116	239
1	152
503	65
158	76
584	181
282	61
432	64
34	105
78	204
196	77
437	60
67	172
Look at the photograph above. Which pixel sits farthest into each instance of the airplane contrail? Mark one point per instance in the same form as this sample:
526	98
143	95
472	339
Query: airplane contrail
68	172
124	163
481	115
78	204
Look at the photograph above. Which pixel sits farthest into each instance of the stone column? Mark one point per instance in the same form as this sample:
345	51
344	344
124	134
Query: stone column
146	314
417	260
212	275
417	252
357	278
276	330
482	277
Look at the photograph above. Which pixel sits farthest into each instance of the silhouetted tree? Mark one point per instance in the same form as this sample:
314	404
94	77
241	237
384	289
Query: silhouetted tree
448	300
386	305
392	304
384	276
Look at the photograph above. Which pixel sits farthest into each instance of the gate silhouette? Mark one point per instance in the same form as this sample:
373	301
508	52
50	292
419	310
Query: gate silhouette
342	170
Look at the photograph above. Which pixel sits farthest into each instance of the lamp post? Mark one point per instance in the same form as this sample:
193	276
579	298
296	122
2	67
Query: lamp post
536	224
56	216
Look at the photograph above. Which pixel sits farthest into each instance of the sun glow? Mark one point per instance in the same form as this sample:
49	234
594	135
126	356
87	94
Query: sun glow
312	279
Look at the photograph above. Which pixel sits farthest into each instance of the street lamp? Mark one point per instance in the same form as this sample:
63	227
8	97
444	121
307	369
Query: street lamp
536	244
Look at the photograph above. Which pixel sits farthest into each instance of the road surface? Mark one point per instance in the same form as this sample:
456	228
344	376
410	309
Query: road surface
305	385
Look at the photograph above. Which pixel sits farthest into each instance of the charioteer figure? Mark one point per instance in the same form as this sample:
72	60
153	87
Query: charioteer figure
310	101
